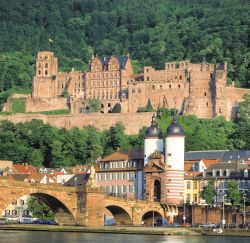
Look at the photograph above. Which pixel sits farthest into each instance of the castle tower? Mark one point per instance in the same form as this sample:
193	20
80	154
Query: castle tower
174	158
45	80
153	140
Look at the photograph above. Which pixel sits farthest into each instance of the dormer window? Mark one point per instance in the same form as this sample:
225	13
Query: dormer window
246	173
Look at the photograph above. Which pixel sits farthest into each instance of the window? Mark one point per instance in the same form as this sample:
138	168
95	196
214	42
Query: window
133	90
188	185
139	90
147	78
170	86
131	188
205	94
179	86
46	65
153	87
46	72
188	197
124	189
119	189
124	176
195	198
195	185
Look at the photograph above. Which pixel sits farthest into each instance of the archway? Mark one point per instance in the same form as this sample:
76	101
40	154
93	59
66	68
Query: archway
150	218
63	216
157	191
120	215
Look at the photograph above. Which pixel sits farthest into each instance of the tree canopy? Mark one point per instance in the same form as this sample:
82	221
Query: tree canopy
152	31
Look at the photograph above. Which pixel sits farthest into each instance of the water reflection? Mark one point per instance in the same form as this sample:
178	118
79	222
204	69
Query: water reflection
62	237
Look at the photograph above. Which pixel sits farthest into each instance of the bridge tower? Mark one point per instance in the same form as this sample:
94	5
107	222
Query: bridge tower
153	140
174	159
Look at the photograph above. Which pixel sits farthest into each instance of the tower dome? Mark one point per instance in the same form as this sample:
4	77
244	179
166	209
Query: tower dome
175	129
153	140
153	131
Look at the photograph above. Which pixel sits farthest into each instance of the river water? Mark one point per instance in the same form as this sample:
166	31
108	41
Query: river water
75	237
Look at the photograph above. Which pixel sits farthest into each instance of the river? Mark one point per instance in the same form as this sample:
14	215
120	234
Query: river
68	237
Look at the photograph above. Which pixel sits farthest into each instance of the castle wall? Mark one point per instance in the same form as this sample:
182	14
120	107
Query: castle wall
233	97
45	104
100	121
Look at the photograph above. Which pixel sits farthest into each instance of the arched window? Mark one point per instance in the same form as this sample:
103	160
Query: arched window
157	191
111	94
153	87
107	95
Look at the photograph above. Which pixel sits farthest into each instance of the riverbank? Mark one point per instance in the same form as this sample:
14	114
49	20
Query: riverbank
106	229
225	232
127	230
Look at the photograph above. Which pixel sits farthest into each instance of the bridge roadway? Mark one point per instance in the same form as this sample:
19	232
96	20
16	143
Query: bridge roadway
85	206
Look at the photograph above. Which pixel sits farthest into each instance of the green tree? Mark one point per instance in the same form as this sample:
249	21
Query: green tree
94	105
208	192
116	108
39	209
233	193
149	107
115	138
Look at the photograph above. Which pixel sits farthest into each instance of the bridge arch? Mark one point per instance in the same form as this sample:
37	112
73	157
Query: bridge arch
63	216
149	217
121	216
63	213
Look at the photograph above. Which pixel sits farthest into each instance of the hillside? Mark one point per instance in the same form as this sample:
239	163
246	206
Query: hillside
152	31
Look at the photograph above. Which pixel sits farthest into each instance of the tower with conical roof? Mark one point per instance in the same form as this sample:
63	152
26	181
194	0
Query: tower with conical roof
153	140
174	158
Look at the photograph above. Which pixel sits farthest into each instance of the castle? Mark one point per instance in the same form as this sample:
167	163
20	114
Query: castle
198	89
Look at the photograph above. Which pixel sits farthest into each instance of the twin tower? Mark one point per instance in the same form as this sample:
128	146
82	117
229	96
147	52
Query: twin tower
169	173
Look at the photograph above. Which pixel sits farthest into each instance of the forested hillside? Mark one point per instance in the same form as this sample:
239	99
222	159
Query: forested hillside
152	31
41	144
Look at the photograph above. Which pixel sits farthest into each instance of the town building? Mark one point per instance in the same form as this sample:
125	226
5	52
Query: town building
121	173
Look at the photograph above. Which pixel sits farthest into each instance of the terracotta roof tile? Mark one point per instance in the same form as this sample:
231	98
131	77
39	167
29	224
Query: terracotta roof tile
23	169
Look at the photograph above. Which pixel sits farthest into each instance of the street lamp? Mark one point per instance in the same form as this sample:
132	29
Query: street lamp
244	209
153	218
184	212
223	210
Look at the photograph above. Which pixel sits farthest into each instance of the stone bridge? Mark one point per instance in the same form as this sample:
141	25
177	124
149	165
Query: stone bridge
85	206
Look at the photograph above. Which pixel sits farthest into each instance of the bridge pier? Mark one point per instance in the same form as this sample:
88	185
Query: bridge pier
93	201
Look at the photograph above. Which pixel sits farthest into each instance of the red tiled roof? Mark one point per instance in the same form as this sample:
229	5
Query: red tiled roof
124	155
192	174
23	169
117	156
208	162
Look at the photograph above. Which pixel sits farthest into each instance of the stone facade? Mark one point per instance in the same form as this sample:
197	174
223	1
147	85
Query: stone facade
194	89
98	120
84	206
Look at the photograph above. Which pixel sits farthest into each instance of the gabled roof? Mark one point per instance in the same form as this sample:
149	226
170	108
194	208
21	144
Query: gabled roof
23	169
240	155
18	177
210	155
121	59
124	155
209	162
77	180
